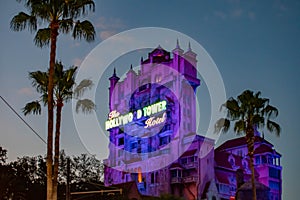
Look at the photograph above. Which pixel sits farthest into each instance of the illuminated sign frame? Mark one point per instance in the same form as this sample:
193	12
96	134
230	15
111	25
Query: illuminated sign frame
115	119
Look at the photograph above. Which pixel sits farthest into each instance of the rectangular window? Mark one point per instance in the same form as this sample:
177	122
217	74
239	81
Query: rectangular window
274	185
133	145
274	173
184	160
257	160
121	141
270	160
134	176
191	159
164	140
264	159
165	151
152	178
173	173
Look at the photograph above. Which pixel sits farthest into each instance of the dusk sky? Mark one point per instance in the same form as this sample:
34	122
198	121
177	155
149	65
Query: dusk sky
255	45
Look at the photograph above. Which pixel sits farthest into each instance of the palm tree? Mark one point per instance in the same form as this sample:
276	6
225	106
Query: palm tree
249	111
60	16
64	82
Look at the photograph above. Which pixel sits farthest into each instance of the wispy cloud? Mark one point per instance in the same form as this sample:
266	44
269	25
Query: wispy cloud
77	61
220	14
236	13
283	7
25	91
108	26
106	34
109	23
251	15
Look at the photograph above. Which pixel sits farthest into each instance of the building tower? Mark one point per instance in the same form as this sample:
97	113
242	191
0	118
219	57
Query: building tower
152	127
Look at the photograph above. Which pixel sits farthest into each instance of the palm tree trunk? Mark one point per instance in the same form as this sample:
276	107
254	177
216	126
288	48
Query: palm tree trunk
56	149
250	144
252	178
54	34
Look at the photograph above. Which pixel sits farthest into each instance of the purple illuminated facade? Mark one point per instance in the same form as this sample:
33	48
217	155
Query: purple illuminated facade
153	139
232	155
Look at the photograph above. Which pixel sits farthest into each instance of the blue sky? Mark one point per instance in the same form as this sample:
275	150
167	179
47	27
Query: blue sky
255	45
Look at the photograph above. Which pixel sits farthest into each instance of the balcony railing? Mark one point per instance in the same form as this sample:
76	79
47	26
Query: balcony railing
176	180
190	179
190	165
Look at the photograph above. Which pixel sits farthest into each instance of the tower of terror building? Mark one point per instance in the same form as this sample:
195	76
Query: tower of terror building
152	127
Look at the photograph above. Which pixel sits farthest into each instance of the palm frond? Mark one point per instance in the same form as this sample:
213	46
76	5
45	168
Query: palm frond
85	105
81	7
66	25
258	120
84	29
270	111
82	87
233	109
22	21
44	98
273	127
222	125
33	107
39	81
239	126
249	110
42	37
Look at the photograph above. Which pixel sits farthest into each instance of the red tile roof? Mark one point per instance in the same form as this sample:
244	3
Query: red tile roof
221	159
221	178
263	148
189	153
176	165
241	141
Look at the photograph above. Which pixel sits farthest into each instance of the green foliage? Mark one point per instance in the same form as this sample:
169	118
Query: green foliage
64	83
25	178
3	156
63	14
249	110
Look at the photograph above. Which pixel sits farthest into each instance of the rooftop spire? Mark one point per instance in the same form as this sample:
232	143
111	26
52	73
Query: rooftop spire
131	67
177	48
177	44
189	48
114	76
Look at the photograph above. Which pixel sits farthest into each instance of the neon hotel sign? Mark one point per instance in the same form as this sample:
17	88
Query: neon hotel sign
115	119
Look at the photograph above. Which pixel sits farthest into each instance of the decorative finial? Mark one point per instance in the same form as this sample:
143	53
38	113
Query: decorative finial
114	72
189	49
142	59
177	44
131	67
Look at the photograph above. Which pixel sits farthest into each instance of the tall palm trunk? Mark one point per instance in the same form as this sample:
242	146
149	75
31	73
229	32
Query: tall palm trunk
56	149
54	34
250	145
